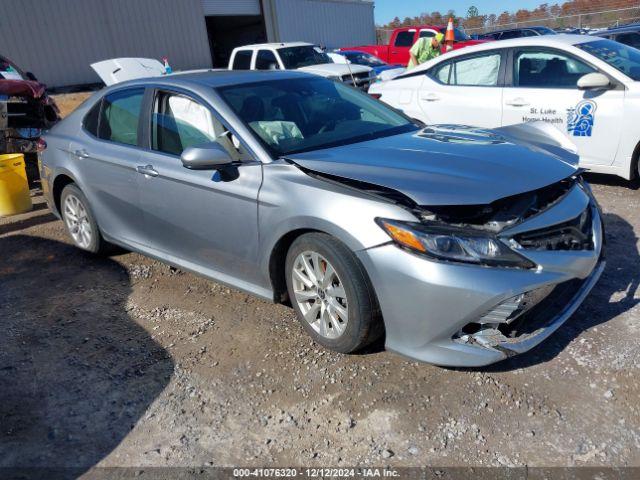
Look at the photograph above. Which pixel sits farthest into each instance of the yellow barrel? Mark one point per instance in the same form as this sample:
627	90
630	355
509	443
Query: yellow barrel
14	187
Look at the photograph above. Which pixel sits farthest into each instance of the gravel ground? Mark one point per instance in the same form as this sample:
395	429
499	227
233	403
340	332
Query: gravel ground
124	361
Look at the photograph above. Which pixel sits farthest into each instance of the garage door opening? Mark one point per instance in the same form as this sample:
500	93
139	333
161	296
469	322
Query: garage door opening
228	32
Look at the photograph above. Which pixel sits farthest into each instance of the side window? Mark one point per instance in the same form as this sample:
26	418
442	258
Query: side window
120	115
441	72
546	69
529	33
632	39
404	39
242	60
90	121
266	60
427	34
476	71
179	122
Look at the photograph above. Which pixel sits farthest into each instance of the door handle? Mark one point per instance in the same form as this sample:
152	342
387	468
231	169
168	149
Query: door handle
518	102
431	97
147	170
81	153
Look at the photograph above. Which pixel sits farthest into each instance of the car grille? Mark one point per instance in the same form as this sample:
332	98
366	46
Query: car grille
362	79
576	234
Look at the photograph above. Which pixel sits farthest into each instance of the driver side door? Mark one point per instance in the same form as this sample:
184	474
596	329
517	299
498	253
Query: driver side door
543	87
205	220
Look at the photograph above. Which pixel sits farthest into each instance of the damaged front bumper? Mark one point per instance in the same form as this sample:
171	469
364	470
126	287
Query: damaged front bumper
466	315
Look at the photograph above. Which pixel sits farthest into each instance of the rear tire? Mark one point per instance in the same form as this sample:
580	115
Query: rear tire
331	293
80	222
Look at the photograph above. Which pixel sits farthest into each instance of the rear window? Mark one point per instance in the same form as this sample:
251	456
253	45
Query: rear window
242	60
120	116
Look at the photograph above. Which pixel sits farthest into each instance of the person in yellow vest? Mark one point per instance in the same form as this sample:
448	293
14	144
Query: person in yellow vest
424	49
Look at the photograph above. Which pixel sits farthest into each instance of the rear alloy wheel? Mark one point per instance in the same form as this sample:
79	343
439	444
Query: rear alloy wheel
331	293
80	222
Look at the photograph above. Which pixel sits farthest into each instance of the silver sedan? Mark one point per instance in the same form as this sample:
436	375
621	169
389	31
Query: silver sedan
461	246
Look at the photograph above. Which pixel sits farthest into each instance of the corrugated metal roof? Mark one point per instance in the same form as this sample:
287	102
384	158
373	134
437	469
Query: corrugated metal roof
231	7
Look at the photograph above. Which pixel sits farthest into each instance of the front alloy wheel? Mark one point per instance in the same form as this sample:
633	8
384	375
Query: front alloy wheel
331	293
320	295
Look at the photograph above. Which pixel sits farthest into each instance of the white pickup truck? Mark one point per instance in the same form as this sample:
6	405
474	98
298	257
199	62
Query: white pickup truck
299	56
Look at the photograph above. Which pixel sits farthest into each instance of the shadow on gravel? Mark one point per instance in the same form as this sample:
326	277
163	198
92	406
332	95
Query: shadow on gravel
76	372
612	296
611	180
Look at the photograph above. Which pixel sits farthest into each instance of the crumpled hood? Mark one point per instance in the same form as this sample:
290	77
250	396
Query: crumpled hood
339	69
451	165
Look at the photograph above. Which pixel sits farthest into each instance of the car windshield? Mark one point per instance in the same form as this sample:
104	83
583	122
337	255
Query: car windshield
618	55
361	58
297	115
304	56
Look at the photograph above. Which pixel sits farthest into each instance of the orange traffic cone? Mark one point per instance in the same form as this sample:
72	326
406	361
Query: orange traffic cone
449	36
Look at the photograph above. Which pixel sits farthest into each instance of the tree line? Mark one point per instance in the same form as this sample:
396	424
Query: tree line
474	19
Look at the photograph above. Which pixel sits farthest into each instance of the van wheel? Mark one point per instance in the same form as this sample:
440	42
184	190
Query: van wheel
331	293
80	222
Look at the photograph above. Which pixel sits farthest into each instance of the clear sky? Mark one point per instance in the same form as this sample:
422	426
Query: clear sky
386	10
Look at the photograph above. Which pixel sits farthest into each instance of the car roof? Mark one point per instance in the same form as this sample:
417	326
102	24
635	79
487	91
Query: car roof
561	40
274	45
633	27
216	78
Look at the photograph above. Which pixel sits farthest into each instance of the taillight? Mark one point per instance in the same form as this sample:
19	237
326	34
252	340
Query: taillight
377	96
41	145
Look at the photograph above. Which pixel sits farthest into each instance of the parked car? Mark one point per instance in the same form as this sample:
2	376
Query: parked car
627	34
587	87
517	33
464	246
301	56
383	70
402	39
25	109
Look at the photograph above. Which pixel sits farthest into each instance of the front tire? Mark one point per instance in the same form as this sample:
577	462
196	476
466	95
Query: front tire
80	222
331	293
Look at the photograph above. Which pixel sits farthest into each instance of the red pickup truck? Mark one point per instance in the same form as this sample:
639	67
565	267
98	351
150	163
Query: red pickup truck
402	39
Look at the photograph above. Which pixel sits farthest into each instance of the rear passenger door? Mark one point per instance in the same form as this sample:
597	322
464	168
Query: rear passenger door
205	220
543	86
107	153
465	90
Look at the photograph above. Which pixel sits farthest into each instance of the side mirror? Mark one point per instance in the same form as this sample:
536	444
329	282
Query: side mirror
209	156
594	81
31	76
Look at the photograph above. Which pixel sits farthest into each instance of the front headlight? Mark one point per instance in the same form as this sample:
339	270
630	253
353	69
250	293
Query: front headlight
453	244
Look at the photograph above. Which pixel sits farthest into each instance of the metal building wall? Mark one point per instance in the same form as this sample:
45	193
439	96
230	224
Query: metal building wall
58	39
234	7
334	23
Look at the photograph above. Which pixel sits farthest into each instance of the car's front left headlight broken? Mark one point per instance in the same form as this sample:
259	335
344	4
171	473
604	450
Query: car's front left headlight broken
453	244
